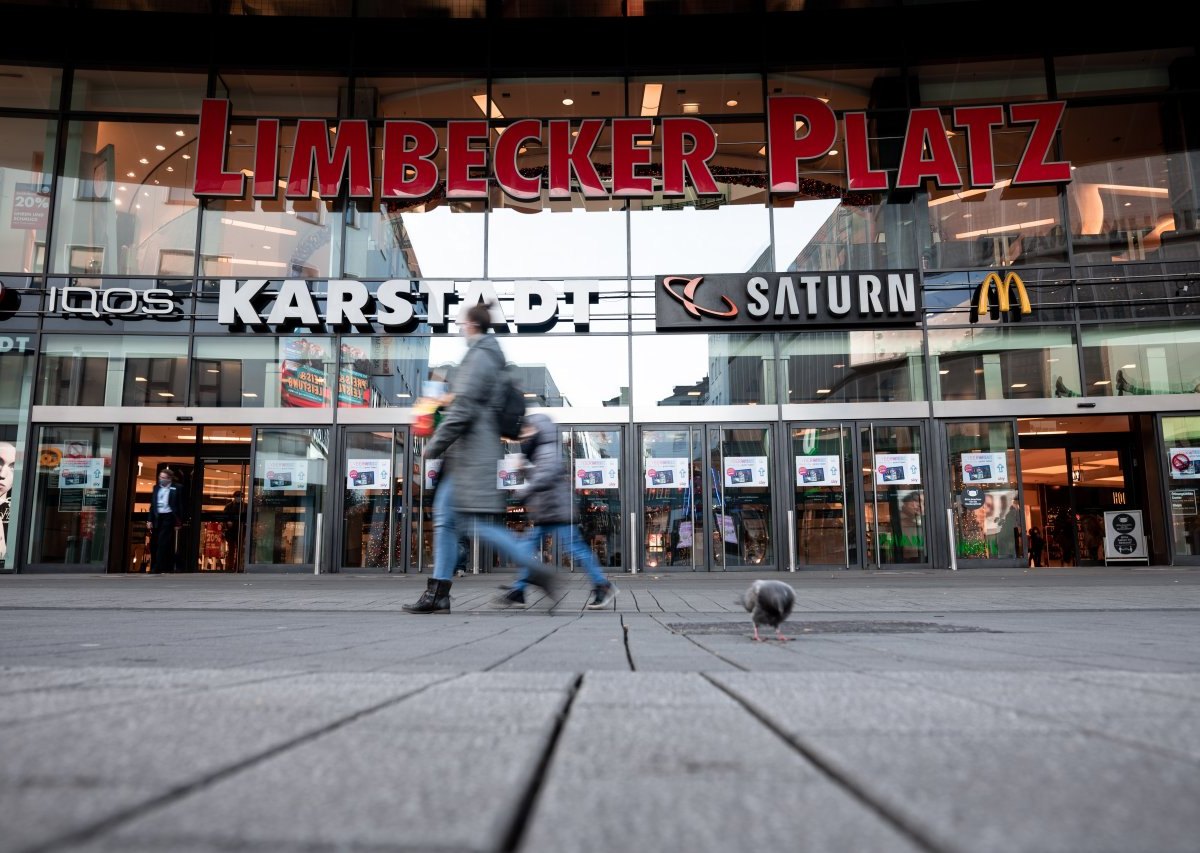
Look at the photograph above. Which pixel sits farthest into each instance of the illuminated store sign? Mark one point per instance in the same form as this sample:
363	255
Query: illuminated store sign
747	302
110	301
1006	288
799	129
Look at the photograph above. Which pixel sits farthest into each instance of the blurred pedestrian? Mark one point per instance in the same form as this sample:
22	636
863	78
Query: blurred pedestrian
548	498
468	441
166	519
1037	545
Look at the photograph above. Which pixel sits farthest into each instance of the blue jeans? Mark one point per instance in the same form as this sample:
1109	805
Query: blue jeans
569	537
448	525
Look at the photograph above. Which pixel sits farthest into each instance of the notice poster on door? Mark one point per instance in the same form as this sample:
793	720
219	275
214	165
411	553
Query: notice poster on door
745	471
667	473
985	468
818	471
284	475
85	473
367	473
595	474
897	469
1184	462
510	472
728	529
433	470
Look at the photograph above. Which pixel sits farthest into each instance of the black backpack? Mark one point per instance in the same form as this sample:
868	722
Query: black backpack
510	411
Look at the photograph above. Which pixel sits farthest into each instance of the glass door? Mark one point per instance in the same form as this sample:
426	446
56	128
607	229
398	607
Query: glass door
221	514
372	499
893	487
287	498
825	489
707	498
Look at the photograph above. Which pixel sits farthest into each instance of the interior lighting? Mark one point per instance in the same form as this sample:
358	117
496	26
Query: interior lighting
1101	382
143	161
693	393
255	226
160	148
691	109
403	394
1129	367
833	152
966	194
130	175
943	372
1019	385
249	394
186	156
731	103
822	390
482	102
568	102
530	396
1000	229
179	133
167	394
651	98
170	168
139	379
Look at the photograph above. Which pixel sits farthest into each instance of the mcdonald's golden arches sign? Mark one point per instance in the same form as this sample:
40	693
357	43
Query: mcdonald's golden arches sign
1004	289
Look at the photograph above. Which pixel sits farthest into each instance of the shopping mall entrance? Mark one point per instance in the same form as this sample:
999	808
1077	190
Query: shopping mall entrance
859	495
211	468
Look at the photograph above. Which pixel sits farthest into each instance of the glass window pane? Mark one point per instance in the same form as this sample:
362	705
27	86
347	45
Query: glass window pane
423	241
289	488
1146	358
29	87
115	370
854	366
69	523
994	82
290	372
1113	73
125	204
599	507
560	372
988	520
1181	441
585	238
899	507
16	370
1004	364
106	90
26	163
280	95
419	97
367	499
699	370
382	372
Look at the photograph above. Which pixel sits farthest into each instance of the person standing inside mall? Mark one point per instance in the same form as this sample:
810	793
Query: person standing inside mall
166	518
548	497
468	441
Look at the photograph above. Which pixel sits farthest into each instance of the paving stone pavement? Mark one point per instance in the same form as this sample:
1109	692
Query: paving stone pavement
993	710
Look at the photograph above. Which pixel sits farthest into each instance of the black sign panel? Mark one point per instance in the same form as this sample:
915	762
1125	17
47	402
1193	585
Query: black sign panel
746	302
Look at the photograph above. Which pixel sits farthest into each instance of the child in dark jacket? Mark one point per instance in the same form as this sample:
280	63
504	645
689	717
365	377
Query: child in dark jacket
548	499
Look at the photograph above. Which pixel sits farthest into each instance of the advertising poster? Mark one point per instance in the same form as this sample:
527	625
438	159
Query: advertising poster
86	473
302	376
897	469
1124	536
282	475
818	471
667	473
596	474
685	535
354	390
510	472
745	471
985	468
433	470
728	529
367	473
1184	462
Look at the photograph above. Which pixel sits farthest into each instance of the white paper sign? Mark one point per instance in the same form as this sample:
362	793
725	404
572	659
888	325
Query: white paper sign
367	473
285	475
1184	462
668	473
596	474
984	468
86	473
1124	536
685	534
818	471
897	469
510	472
433	470
745	471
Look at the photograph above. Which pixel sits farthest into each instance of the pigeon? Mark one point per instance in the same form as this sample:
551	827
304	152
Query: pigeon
769	603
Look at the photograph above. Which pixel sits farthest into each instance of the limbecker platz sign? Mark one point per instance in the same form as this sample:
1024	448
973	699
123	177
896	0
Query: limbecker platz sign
800	129
748	302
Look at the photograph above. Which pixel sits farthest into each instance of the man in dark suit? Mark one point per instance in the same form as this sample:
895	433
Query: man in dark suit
166	517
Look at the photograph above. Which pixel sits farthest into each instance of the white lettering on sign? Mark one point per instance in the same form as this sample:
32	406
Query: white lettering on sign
118	301
8	344
253	302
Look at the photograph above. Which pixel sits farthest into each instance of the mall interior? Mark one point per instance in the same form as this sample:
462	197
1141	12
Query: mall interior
1040	407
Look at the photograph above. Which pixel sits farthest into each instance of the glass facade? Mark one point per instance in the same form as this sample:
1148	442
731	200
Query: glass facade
119	281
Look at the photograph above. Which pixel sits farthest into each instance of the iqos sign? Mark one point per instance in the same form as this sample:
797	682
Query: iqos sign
109	302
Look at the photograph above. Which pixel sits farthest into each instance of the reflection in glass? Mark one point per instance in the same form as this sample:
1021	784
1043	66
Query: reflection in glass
740	466
69	523
672	482
893	481
289	487
25	191
367	499
854	366
1180	435
1141	359
422	241
733	238
29	87
537	239
825	515
1005	363
291	371
696	370
988	521
16	370
593	455
95	370
109	91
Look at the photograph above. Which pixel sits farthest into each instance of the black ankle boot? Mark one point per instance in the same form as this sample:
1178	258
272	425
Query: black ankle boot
435	599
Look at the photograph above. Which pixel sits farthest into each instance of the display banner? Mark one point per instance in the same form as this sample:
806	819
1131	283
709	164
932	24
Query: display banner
745	471
510	472
818	471
367	473
433	470
596	474
1124	536
302	373
81	473
282	475
667	473
985	467
897	469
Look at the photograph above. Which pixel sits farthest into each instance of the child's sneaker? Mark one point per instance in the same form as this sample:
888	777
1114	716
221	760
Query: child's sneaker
602	596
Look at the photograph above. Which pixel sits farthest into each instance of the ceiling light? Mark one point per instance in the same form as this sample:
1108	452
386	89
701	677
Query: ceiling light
822	390
1129	367
691	108
170	168
268	248
1018	385
839	365
139	379
651	96
179	133
212	370
693	393
130	175
143	161
1101	382
165	394
568	102
482	102
943	372
530	396
979	370
403	395
833	152
122	189
249	394
187	156
160	148
731	103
